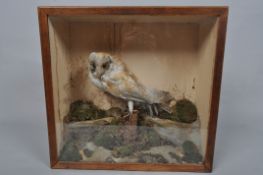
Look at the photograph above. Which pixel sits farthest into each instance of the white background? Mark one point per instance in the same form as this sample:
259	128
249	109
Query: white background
23	129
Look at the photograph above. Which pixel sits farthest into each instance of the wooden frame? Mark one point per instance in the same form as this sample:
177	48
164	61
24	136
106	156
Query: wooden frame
220	12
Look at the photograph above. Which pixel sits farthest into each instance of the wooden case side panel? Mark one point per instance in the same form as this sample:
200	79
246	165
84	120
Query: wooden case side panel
47	73
217	77
204	81
60	55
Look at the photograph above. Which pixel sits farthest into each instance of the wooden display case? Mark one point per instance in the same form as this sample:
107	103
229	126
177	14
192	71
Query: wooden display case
176	50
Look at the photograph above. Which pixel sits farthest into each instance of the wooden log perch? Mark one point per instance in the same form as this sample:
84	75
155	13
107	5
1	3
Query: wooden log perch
130	132
133	118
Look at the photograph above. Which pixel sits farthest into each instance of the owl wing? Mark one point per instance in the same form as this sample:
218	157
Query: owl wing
125	85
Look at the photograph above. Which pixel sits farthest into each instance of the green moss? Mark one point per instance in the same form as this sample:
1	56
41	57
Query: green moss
70	152
84	110
185	111
114	112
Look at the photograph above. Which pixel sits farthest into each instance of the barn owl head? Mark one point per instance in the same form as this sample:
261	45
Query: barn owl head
99	63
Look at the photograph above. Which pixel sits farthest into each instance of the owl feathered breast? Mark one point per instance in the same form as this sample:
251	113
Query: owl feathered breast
117	80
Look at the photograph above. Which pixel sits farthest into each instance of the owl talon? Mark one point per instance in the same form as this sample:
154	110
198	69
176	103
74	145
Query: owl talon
155	109
150	110
130	106
126	116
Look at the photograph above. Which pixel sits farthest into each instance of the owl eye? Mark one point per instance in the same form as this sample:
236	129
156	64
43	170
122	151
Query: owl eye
106	65
92	67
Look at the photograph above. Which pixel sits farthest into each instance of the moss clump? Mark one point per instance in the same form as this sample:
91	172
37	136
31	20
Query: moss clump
114	112
70	152
84	110
191	153
183	111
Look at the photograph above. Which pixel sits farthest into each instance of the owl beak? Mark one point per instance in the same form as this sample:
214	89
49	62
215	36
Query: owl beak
98	76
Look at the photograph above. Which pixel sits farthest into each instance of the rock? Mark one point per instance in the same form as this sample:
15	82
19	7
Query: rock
193	158
70	152
99	154
90	146
108	137
165	151
151	158
87	152
124	142
123	151
189	147
179	152
148	137
110	160
178	133
175	156
192	154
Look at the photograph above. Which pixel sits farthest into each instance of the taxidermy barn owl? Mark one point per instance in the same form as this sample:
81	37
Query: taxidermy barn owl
111	75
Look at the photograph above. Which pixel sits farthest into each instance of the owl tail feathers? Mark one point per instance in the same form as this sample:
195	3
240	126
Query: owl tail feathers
163	98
